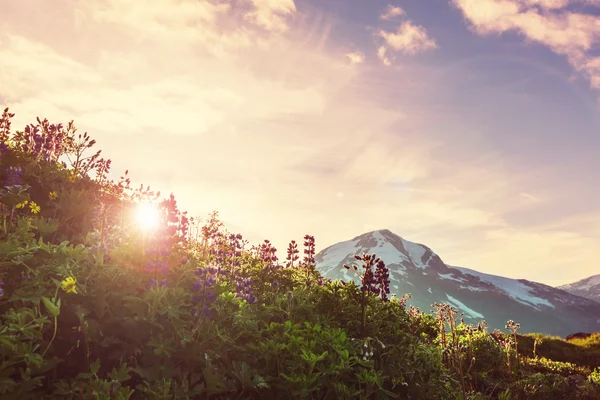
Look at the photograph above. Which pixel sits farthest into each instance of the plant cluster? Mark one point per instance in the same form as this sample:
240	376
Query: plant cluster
93	306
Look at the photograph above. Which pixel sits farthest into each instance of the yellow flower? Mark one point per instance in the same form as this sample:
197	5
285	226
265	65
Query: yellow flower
68	285
53	195
22	204
72	176
34	207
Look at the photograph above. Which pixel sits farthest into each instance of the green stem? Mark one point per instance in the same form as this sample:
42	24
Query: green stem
53	336
55	327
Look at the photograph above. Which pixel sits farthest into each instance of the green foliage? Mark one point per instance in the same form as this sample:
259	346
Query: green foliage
93	307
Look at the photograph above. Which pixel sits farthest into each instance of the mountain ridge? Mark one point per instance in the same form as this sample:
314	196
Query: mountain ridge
587	287
415	268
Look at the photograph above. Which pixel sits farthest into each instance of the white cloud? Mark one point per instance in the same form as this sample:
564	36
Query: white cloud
547	22
382	55
391	12
408	39
271	14
356	57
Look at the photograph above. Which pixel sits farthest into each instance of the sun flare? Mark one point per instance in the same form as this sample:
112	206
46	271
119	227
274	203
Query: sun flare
147	216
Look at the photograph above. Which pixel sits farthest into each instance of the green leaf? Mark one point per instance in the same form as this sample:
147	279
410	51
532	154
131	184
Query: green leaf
95	367
53	309
120	375
344	354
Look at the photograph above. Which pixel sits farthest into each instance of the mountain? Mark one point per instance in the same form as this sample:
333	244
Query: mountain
416	269
588	287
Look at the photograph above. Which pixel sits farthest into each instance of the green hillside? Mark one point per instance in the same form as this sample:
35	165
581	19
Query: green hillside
97	302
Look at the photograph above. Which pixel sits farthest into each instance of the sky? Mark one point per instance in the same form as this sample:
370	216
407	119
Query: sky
471	126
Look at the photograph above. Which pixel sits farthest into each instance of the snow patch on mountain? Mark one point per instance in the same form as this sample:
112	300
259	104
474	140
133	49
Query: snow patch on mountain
584	284
512	287
452	278
388	253
472	289
469	312
415	253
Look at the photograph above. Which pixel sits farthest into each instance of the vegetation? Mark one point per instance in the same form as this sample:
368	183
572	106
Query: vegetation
94	305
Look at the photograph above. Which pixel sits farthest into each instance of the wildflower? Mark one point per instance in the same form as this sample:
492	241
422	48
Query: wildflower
382	279
34	207
244	290
309	251
22	204
157	283
68	285
377	283
203	287
53	195
292	254
267	254
72	177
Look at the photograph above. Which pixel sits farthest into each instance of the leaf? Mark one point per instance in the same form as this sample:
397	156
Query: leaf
53	309
95	367
120	375
344	354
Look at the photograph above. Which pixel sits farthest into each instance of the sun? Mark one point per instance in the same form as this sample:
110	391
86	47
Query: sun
147	216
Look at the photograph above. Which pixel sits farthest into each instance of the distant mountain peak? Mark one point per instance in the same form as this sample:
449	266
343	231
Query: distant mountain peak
416	269
588	287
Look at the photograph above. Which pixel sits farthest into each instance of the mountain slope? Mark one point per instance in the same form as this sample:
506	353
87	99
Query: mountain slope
416	269
588	287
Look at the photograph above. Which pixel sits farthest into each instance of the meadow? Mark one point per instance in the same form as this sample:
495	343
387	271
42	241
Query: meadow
98	303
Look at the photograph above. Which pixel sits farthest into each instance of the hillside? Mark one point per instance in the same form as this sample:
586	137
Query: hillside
109	292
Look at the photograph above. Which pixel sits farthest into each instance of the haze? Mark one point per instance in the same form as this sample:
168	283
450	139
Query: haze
471	126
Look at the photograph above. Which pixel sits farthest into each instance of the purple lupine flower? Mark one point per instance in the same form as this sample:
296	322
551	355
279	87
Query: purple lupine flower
235	249
292	254
309	252
244	290
382	280
267	254
157	283
204	287
5	125
377	282
218	247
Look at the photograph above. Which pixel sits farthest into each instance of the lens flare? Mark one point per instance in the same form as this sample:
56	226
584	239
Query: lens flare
147	216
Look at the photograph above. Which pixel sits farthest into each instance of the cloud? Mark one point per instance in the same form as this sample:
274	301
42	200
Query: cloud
548	22
382	55
271	14
356	57
530	197
408	39
392	12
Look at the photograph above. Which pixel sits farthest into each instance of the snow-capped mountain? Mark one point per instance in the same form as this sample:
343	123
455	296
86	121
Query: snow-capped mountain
588	287
416	269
